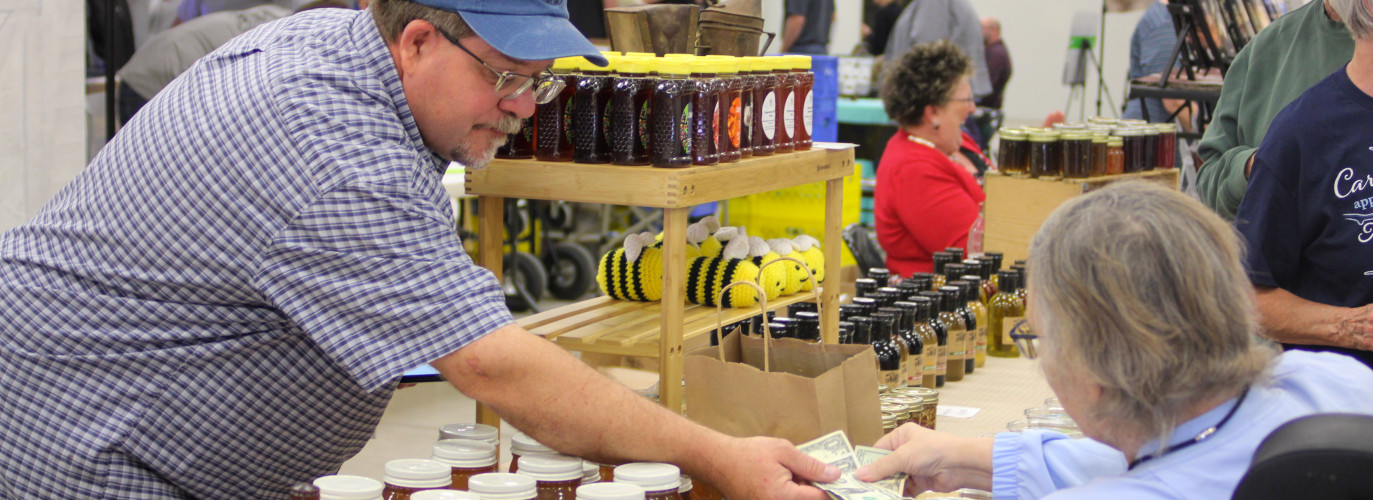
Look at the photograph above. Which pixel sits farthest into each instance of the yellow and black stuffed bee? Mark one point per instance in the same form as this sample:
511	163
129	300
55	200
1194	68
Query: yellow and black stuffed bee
634	271
706	276
809	248
772	278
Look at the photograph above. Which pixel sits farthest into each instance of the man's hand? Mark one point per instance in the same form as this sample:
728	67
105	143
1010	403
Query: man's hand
768	468
1355	329
934	461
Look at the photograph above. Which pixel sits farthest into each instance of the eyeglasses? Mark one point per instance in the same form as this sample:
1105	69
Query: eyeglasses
968	100
511	85
1025	339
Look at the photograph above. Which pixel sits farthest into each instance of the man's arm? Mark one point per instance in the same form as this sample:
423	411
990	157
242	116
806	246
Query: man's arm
560	401
1221	179
1288	318
791	31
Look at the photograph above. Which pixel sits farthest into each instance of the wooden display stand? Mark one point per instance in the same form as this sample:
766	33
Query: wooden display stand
656	329
1017	205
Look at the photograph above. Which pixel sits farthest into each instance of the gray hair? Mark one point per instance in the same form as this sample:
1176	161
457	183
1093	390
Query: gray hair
1142	290
1356	14
392	16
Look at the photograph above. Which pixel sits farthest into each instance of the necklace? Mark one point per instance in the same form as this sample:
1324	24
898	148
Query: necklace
921	140
1206	433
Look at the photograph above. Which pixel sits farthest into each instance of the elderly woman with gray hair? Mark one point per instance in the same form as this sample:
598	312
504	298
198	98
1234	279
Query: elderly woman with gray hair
1307	215
1148	337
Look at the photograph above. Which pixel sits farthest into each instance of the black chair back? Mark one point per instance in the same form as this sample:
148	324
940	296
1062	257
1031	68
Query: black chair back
1326	456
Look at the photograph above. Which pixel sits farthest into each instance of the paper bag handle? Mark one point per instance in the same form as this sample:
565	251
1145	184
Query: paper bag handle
815	290
720	320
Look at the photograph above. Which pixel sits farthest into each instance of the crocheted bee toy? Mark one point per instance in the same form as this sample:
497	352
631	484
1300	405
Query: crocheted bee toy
706	276
634	271
710	244
797	277
809	247
772	278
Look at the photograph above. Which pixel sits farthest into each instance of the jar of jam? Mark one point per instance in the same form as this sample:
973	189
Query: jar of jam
556	476
503	486
730	110
591	113
521	444
704	112
750	82
345	486
465	458
1045	154
786	104
659	481
610	491
408	475
1165	155
1099	141
803	82
1013	154
553	120
671	114
630	108
1077	154
764	106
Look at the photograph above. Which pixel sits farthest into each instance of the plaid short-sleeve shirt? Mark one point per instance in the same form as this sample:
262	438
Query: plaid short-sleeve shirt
221	304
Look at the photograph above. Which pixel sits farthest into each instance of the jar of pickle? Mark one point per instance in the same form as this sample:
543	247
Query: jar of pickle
731	108
671	114
1099	141
591	113
556	476
610	491
704	112
1013	154
660	481
1045	154
503	486
1115	155
408	475
1165	155
803	81
465	458
1076	147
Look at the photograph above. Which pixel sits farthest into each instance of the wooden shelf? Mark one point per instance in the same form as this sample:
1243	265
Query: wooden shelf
608	326
660	187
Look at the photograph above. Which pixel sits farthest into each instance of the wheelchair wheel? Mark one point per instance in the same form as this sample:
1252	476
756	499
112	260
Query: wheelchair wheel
524	271
571	270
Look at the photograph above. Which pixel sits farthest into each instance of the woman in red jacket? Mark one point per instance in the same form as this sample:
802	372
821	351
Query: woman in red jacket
924	200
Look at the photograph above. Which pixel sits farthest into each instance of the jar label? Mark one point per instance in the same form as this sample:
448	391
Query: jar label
982	338
746	120
1012	324
807	110
930	358
789	115
643	124
685	129
735	110
958	340
605	124
567	119
889	378
527	129
715	122
770	115
915	368
942	366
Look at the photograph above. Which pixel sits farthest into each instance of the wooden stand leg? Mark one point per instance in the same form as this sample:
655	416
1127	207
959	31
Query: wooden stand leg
674	295
490	242
829	293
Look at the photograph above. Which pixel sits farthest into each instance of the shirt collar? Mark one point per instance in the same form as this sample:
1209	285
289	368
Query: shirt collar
367	38
1189	430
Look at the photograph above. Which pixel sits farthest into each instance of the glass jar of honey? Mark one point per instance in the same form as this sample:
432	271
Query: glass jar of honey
520	445
556	476
466	458
409	475
1076	147
610	491
660	481
503	486
1099	141
1045	154
1013	154
346	486
1165	155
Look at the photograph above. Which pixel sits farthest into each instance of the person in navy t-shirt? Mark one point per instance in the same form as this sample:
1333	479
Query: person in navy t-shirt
1307	216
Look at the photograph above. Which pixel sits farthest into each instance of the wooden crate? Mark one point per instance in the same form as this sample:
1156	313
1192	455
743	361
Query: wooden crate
1016	206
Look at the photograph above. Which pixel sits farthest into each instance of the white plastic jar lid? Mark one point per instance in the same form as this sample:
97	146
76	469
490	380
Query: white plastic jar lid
521	444
591	472
686	484
418	473
344	487
502	486
479	432
651	476
550	467
464	453
610	491
443	495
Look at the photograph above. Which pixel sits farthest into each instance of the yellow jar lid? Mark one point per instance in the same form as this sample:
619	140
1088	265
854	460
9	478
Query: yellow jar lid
725	65
640	54
567	64
1043	136
633	65
674	66
1167	128
800	62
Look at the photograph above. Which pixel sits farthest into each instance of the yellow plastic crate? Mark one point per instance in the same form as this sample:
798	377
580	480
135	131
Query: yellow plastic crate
786	213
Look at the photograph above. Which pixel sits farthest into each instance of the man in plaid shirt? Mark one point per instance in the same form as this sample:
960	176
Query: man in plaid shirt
223	302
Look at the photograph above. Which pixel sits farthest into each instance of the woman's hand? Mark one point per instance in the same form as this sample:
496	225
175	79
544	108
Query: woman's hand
934	461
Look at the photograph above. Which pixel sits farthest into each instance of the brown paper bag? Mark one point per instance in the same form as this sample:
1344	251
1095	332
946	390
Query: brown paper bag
789	389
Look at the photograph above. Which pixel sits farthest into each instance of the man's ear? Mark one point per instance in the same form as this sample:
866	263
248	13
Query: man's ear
415	43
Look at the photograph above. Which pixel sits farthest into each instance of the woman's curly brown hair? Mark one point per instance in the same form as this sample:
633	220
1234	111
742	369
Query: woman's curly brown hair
923	76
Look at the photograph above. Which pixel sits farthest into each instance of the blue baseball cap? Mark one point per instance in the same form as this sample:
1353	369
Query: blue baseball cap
530	30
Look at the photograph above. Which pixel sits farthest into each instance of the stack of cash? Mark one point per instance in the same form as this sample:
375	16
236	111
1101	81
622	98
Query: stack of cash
834	449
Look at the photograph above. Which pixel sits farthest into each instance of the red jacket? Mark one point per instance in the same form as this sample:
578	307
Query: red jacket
924	202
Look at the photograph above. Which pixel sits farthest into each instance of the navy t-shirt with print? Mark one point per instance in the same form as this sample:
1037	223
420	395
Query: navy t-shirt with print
1307	217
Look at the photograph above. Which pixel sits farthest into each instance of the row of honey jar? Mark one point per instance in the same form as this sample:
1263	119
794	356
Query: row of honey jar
672	111
463	466
1099	147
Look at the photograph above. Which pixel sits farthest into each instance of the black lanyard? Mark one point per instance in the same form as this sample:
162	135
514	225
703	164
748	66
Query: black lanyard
1200	437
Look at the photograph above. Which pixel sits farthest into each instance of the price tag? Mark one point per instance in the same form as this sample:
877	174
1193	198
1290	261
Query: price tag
957	411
